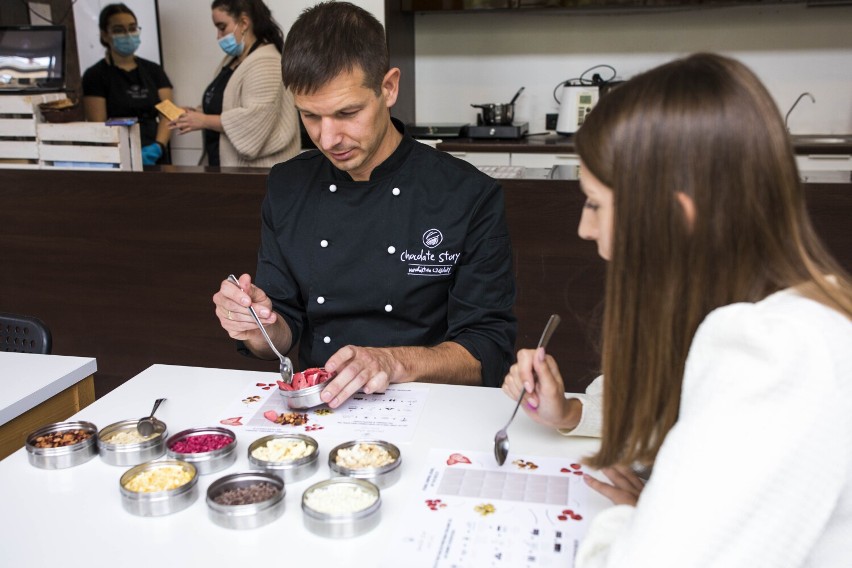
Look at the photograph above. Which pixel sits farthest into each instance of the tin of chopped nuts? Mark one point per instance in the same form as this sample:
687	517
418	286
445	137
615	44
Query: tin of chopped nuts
60	439
363	455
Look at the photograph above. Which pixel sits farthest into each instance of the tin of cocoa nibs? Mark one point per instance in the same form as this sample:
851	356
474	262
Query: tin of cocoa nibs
245	500
62	444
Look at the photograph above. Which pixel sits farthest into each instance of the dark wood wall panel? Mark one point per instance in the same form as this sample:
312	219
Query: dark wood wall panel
122	266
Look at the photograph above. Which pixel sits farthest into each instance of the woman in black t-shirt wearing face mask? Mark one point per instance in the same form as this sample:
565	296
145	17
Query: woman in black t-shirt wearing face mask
123	85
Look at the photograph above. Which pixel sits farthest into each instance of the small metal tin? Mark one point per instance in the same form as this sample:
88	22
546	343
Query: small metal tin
303	398
158	503
290	471
383	476
134	453
344	525
205	462
63	456
249	516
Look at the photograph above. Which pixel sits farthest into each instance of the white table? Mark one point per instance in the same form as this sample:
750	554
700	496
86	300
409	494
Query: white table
38	389
74	517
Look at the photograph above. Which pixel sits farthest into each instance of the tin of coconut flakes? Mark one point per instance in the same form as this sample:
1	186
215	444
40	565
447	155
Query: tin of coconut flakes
205	462
140	488
383	476
121	444
251	513
341	507
291	470
64	456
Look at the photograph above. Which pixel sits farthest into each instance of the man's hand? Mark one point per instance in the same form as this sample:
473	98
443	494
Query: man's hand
232	305
545	402
370	368
625	488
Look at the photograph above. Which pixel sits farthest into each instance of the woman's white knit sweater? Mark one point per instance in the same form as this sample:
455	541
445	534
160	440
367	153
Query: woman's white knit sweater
757	472
261	127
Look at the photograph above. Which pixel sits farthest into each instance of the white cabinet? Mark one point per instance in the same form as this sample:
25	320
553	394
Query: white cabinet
545	160
824	162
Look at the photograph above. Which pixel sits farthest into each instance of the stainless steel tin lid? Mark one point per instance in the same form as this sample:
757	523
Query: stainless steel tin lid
303	398
384	475
116	444
205	461
290	470
69	455
245	500
158	487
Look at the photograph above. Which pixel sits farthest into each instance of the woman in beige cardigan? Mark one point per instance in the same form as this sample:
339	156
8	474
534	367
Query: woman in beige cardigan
246	102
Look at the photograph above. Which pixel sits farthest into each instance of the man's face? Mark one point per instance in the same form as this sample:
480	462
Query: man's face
350	123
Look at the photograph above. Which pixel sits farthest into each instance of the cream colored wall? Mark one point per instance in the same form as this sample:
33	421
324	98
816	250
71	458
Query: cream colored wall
191	54
485	58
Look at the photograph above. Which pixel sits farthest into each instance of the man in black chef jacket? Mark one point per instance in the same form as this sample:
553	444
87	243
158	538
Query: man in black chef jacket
386	260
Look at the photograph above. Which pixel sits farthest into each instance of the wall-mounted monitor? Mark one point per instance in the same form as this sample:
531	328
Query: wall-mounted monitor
32	57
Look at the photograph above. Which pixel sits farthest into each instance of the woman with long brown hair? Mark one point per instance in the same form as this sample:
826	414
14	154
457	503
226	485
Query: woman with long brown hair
727	340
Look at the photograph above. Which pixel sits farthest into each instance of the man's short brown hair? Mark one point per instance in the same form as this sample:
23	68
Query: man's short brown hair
329	39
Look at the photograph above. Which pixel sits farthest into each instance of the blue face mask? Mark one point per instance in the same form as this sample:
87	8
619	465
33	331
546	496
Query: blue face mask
126	44
230	46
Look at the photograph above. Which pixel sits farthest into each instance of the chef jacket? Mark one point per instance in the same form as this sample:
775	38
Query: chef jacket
416	256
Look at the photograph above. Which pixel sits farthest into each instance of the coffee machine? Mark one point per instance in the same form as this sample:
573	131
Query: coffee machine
576	103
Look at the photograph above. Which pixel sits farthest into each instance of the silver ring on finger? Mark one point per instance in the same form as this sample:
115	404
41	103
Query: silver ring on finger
229	315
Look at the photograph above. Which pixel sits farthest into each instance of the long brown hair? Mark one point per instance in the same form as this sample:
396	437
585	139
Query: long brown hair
704	126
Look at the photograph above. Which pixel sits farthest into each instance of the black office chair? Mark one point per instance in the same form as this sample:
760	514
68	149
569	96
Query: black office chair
24	334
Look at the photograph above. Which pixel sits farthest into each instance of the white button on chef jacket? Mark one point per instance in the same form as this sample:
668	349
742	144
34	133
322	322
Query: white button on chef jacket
326	339
395	191
332	188
391	249
388	307
323	243
320	300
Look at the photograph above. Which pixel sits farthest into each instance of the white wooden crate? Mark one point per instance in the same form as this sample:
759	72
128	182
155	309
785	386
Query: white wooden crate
19	118
89	145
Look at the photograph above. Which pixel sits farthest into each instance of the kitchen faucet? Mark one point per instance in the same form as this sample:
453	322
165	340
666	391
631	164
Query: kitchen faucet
786	116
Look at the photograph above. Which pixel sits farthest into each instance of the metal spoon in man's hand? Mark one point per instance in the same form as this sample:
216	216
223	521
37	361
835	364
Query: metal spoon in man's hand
285	366
501	439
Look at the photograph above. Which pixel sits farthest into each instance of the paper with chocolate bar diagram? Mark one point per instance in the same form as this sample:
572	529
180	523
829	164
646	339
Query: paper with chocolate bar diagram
392	415
532	511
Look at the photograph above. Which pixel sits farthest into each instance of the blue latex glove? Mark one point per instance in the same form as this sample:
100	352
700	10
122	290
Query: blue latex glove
151	153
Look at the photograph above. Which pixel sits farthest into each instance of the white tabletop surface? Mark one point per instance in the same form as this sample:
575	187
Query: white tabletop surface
28	379
73	517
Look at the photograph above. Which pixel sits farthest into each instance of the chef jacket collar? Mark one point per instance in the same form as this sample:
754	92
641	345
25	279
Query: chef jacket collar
392	164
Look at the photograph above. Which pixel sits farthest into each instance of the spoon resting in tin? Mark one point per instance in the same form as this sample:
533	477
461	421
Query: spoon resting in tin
285	366
501	439
145	426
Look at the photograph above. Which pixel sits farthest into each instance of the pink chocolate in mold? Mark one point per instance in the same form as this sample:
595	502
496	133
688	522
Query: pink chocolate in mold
307	378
